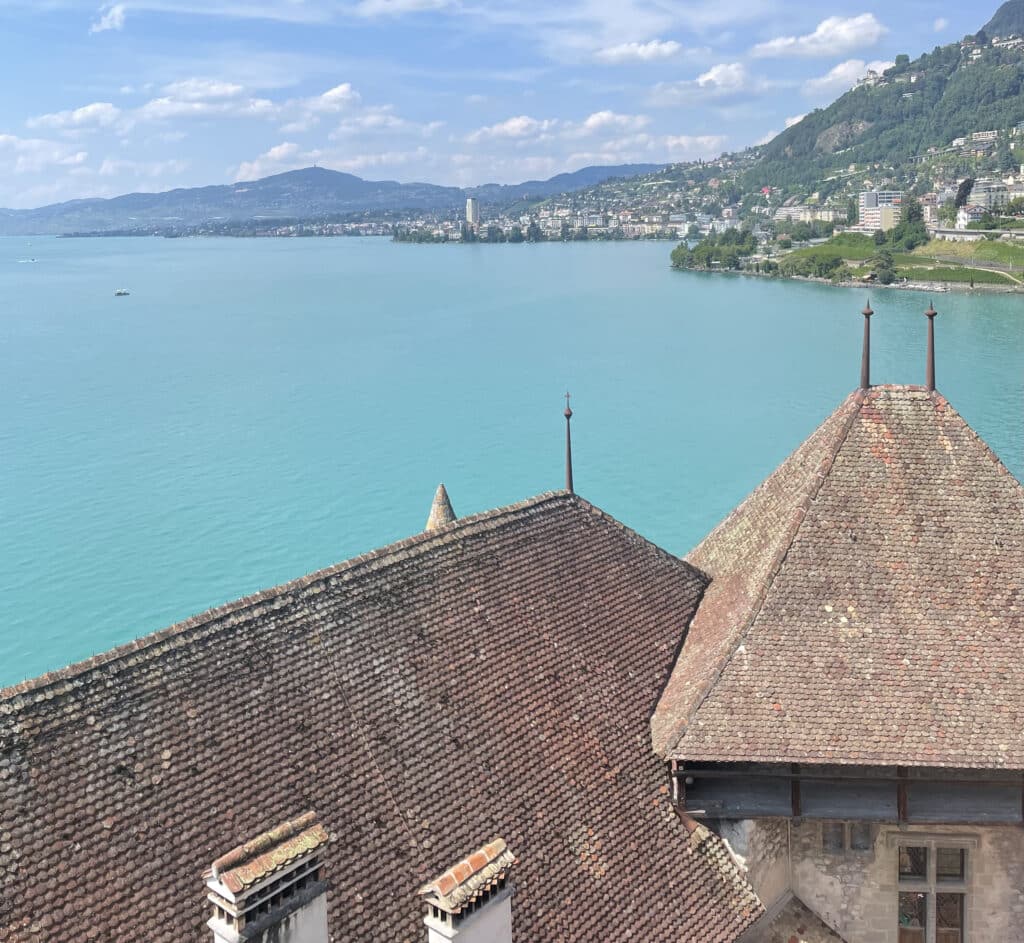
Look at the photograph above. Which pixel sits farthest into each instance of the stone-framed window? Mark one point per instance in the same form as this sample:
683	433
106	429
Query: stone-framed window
839	838
933	875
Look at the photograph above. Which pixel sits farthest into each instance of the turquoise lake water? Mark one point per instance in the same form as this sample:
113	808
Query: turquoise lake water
258	409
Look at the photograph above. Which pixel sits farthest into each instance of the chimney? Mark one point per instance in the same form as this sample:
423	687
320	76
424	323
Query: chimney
472	900
269	889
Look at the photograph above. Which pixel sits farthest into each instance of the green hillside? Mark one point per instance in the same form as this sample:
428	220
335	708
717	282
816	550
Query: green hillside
944	94
1008	21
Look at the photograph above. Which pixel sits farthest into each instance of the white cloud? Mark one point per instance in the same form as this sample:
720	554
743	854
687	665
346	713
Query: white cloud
308	111
334	99
725	77
765	139
359	162
95	115
520	126
31	155
166	107
795	119
834	36
147	169
639	52
689	147
722	81
110	18
280	157
602	121
940	24
192	90
398	7
373	119
842	78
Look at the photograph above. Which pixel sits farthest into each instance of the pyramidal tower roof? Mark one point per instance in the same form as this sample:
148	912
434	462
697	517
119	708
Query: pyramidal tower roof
866	602
441	512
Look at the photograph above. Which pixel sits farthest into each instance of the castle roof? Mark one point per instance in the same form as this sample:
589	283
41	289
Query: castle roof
493	677
866	603
441	511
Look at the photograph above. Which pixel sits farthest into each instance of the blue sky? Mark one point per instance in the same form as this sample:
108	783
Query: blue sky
153	94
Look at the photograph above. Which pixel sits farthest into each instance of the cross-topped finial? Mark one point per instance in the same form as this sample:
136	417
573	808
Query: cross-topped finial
568	409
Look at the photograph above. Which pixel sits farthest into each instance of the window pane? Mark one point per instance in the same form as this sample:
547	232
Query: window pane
949	918
913	918
860	836
832	836
913	864
949	864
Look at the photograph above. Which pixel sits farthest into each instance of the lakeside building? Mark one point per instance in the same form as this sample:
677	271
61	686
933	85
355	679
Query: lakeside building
473	211
879	209
534	725
972	213
990	194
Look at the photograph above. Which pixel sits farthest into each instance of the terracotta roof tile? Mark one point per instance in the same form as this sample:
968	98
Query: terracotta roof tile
494	677
464	882
260	857
866	603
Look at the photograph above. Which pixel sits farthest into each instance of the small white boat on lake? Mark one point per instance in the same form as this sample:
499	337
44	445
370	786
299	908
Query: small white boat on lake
121	292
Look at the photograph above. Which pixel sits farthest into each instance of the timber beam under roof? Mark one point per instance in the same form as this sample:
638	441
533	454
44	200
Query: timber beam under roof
902	795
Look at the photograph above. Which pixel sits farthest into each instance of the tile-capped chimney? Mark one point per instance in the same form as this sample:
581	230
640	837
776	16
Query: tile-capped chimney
472	900
270	888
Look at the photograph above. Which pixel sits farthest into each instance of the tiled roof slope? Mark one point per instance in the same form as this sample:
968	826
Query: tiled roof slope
493	677
743	554
890	627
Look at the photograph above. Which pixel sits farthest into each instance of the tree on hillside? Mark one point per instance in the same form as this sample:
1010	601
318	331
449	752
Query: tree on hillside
912	211
963	193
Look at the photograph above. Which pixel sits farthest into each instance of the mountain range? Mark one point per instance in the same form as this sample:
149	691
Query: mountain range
297	194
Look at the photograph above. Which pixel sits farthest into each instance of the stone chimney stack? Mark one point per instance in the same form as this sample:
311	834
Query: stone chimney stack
472	900
270	889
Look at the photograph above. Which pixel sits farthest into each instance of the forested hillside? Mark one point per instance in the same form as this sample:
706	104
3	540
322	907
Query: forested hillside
942	95
1008	21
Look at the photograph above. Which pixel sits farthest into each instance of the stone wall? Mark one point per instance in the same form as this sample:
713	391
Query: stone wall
761	849
856	892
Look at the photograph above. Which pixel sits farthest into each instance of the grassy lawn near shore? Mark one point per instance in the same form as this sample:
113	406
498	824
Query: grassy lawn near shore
977	253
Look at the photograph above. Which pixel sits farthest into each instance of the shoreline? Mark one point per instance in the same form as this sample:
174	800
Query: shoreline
987	288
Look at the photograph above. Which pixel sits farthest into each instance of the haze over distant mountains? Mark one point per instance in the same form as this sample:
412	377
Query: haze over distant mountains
297	194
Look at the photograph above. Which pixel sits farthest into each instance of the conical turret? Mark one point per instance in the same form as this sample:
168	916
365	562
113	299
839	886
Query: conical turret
441	512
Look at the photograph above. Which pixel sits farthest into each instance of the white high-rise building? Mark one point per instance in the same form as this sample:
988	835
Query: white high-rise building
880	209
473	211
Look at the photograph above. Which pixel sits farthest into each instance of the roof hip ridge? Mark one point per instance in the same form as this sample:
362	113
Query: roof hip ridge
857	399
49	683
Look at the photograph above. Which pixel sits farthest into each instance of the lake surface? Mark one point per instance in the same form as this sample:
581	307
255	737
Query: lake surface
258	409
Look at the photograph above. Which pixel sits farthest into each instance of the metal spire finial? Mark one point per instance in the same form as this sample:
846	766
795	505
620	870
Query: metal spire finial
929	382
865	357
568	446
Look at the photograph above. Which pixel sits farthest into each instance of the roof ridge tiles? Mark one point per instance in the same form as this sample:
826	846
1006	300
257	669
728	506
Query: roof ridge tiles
256	846
225	615
391	554
853	402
